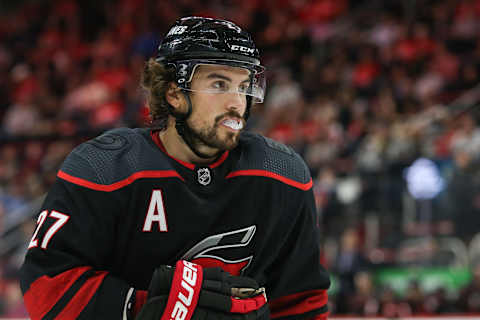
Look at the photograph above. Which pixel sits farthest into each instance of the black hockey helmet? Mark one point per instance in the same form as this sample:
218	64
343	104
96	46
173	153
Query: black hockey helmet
194	41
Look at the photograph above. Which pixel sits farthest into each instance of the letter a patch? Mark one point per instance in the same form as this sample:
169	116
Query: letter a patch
155	213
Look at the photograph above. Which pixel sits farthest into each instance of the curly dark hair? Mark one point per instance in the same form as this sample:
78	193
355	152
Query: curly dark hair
155	80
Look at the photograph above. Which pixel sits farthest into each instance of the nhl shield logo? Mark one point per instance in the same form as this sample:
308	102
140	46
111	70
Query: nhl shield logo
204	176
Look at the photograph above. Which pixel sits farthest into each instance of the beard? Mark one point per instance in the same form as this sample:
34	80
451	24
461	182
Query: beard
209	136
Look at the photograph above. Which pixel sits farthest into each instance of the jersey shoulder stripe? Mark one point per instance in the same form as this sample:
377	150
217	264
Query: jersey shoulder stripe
268	174
262	156
115	159
122	183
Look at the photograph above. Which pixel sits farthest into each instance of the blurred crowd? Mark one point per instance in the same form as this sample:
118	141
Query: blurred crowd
361	89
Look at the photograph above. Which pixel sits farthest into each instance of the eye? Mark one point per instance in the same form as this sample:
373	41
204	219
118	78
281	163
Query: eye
243	88
220	85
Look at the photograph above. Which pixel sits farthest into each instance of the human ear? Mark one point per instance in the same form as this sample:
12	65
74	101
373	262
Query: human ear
175	98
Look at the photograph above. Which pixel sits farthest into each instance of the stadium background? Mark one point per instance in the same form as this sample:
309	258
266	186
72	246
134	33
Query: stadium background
378	96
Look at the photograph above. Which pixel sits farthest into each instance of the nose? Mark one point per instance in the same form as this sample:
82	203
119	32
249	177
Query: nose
237	101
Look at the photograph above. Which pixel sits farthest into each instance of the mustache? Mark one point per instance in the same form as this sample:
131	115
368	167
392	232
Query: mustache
229	114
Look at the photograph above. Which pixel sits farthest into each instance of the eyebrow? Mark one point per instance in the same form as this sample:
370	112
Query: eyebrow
220	76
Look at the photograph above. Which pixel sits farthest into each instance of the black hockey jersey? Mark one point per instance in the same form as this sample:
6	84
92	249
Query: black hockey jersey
121	206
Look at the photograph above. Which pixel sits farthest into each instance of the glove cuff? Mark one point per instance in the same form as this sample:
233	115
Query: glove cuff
140	299
133	303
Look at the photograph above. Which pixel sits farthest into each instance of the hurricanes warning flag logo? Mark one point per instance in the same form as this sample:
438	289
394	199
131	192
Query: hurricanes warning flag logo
203	252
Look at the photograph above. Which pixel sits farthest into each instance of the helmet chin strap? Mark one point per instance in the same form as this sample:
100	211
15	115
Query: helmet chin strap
246	115
184	130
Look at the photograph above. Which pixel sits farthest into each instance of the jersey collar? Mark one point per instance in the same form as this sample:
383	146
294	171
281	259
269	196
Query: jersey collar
156	139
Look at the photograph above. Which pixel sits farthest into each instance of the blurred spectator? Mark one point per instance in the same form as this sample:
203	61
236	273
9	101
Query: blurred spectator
14	307
469	299
464	188
437	302
391	306
349	262
363	300
415	297
22	116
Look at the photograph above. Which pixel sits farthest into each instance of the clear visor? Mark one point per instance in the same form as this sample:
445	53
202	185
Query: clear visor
223	77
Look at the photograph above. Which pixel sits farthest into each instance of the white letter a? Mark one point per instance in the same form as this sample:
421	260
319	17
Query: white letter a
156	213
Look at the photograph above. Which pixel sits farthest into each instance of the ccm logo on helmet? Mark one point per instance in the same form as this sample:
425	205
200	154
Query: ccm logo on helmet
189	280
236	47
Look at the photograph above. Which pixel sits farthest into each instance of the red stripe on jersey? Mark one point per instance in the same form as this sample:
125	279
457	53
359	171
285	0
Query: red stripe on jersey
220	160
156	139
298	303
45	292
268	174
82	297
121	183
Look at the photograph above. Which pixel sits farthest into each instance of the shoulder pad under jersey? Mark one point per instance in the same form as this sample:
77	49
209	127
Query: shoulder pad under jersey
262	153
115	155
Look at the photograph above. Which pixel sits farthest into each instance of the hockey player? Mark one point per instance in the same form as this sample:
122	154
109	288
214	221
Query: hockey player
193	218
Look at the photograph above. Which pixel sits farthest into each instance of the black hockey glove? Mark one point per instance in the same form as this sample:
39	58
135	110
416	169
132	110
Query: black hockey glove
189	291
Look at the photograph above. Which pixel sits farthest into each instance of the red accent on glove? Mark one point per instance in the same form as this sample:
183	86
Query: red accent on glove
248	304
184	292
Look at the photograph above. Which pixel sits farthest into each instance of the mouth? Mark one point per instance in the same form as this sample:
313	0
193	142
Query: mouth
232	123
